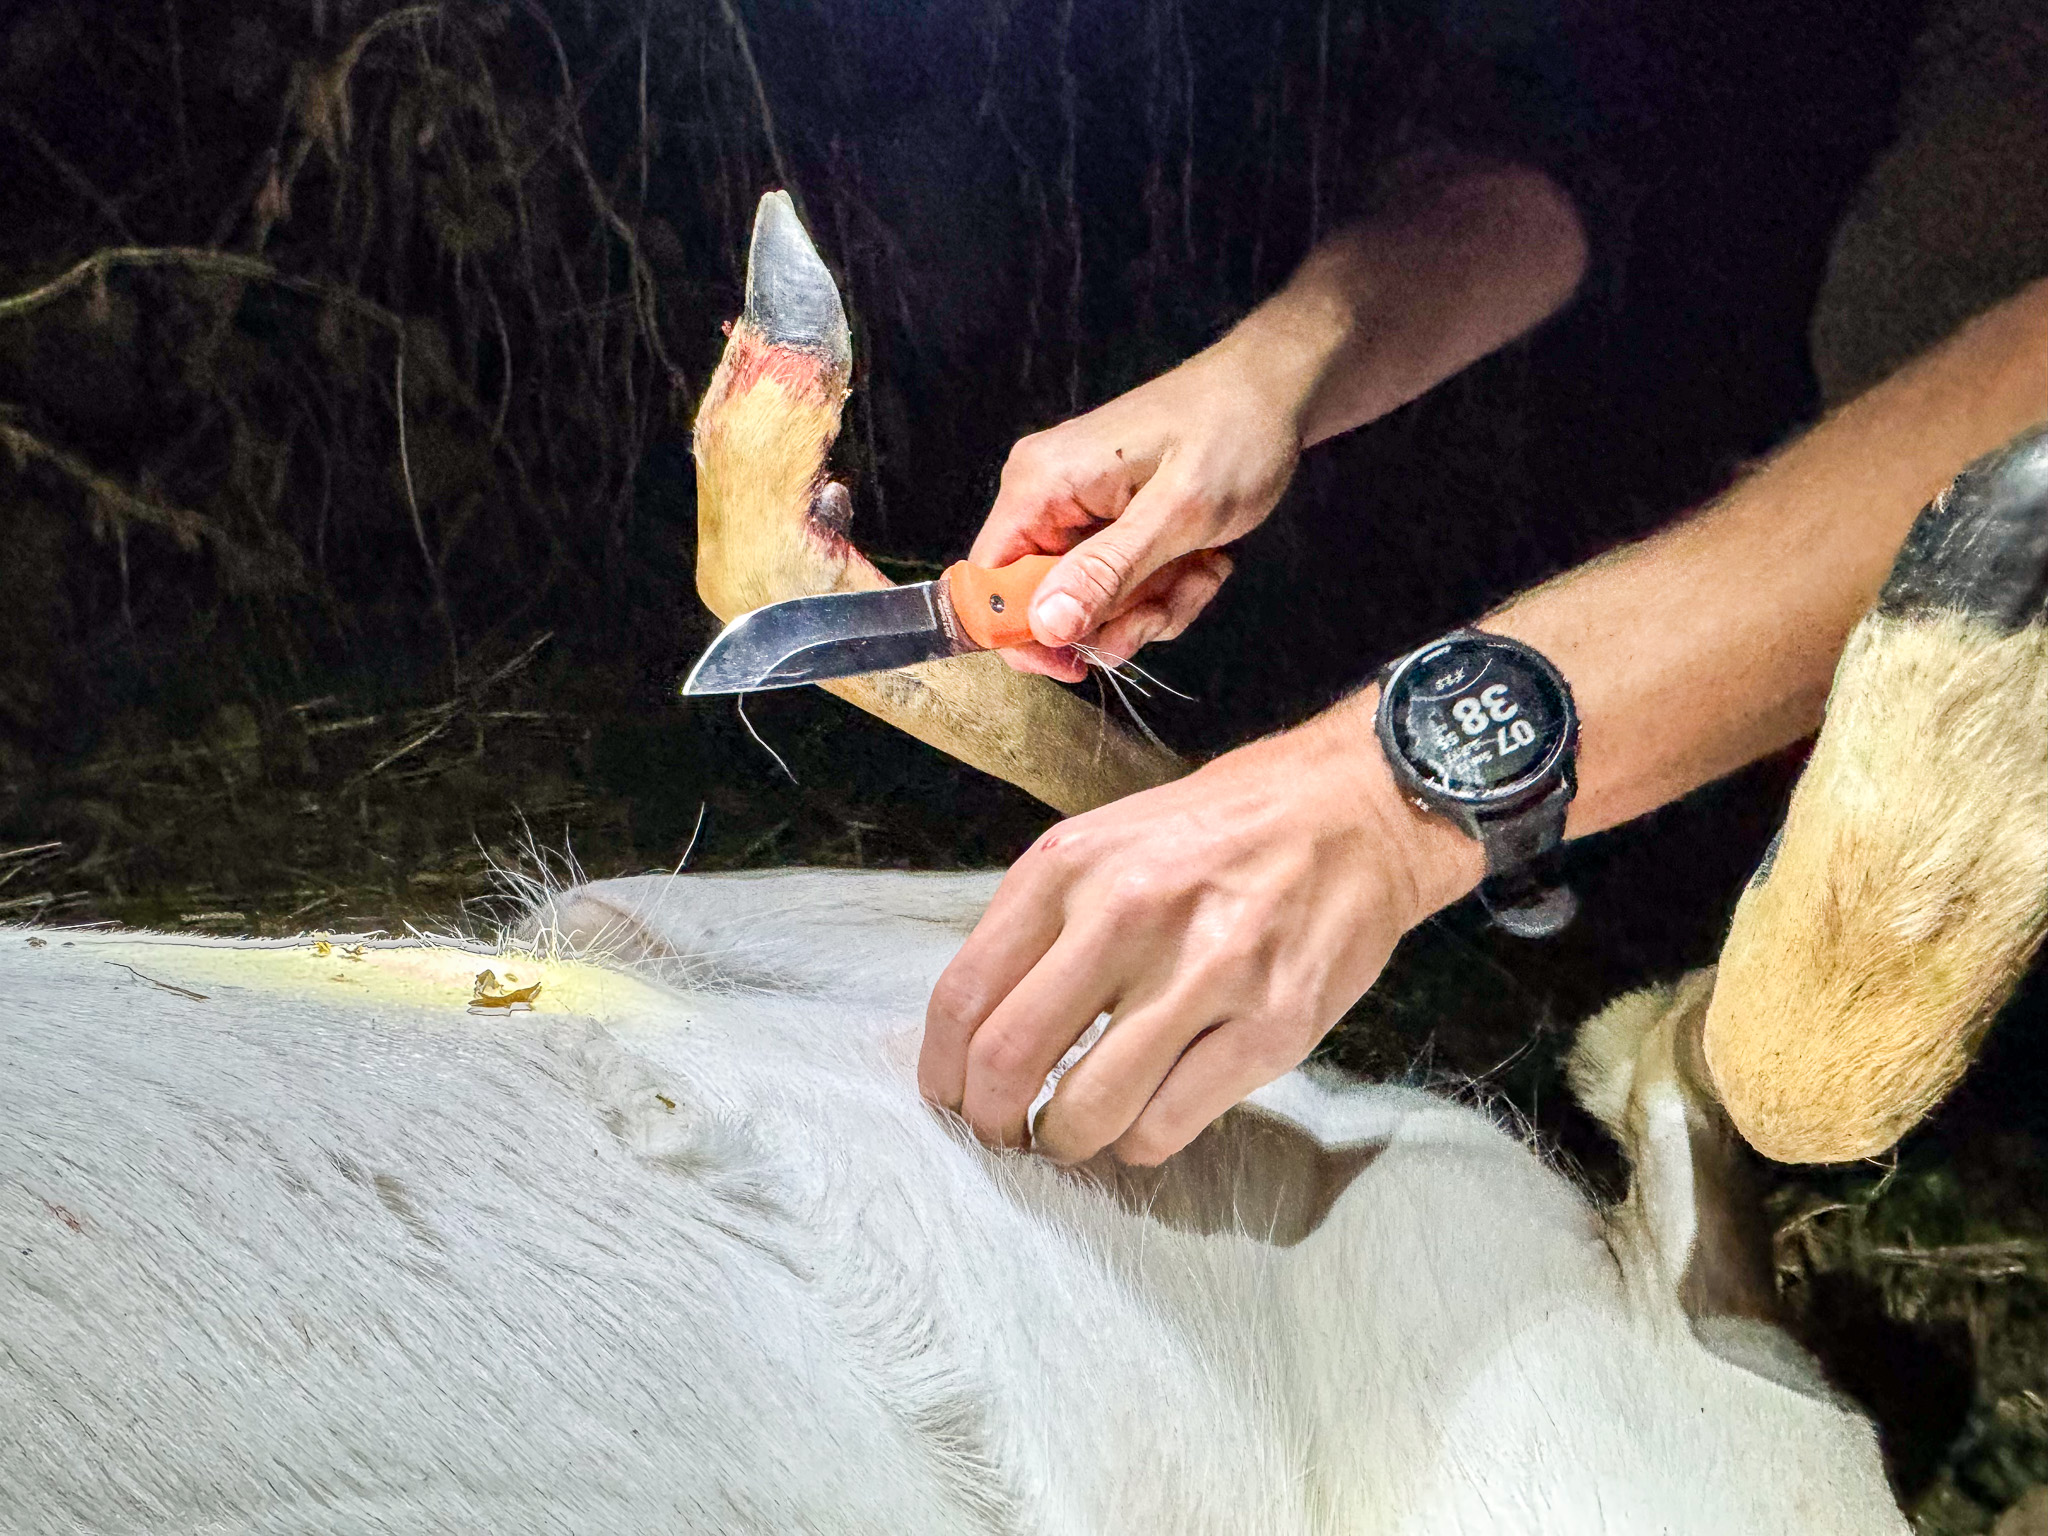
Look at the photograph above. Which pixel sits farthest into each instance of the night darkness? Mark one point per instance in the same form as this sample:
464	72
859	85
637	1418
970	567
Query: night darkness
260	672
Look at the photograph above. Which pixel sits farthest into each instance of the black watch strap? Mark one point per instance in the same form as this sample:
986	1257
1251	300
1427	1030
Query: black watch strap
1522	889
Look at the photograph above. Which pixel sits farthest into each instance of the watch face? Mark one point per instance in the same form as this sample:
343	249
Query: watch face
1478	718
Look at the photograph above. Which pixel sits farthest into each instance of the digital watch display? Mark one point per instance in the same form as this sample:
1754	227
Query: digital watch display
1480	729
1478	718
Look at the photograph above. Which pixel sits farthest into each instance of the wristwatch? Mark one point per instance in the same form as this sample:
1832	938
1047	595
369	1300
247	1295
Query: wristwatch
1480	729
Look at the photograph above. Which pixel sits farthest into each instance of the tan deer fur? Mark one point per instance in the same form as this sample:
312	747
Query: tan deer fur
1903	901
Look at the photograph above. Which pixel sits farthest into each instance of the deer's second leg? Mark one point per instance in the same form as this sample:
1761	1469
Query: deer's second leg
1693	1222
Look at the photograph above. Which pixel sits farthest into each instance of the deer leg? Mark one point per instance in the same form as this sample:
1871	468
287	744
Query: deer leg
1908	887
771	526
1692	1226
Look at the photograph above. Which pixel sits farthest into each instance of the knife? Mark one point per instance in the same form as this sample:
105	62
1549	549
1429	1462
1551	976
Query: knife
842	634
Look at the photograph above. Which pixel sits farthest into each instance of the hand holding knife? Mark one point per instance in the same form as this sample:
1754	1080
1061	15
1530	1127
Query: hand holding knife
842	634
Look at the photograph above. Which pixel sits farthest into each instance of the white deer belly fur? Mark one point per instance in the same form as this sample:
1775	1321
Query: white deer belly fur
683	1251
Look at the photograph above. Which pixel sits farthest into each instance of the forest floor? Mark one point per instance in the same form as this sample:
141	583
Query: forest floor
1922	1283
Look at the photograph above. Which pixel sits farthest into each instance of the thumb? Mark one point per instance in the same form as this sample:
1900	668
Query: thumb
1097	577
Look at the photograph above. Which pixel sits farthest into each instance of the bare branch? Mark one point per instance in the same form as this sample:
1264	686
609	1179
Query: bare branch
746	48
189	528
419	528
198	259
73	177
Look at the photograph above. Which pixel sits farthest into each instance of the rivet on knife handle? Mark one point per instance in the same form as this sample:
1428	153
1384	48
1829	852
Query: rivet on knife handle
993	606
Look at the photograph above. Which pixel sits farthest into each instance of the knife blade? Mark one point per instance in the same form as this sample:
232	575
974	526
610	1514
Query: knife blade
843	634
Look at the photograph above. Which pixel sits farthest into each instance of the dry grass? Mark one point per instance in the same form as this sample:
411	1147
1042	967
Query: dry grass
1926	1288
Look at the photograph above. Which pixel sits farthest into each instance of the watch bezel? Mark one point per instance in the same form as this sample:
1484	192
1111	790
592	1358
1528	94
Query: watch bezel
1540	778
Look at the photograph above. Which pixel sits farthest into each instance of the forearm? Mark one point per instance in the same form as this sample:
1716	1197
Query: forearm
1468	256
1714	642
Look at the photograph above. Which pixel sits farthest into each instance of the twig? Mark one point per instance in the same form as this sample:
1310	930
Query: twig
1070	118
2010	1257
174	40
1187	162
419	528
197	997
21	860
1315	132
330	105
196	258
182	523
73	177
505	358
746	48
646	145
449	712
645	289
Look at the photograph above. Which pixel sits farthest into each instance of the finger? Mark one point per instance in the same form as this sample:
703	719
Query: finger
1020	925
1103	1093
1029	1031
1049	499
1158	609
1011	533
1100	574
1164	605
1063	663
1214	1074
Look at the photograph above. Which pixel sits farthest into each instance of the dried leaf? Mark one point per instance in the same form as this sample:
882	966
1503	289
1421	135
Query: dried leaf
492	996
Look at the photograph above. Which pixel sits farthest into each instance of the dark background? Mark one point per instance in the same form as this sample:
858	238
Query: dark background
263	669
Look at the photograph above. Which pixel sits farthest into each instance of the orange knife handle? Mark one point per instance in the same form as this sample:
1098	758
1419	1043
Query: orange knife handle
992	605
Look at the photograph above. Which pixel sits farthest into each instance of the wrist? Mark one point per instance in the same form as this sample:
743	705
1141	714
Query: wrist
1429	863
1281	356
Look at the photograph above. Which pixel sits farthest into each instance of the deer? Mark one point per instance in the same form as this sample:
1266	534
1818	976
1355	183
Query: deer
634	1219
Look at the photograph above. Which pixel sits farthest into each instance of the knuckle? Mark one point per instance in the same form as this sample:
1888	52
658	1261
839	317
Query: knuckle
1085	1107
1276	1041
1203	518
1060	850
1146	1146
1028	456
1103	569
999	1058
1235	953
1071	1133
1129	893
955	1001
1206	578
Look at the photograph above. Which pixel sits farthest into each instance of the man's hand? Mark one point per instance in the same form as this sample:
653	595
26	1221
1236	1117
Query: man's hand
1136	494
1224	922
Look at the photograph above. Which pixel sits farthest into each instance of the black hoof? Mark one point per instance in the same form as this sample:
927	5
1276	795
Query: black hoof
791	298
1981	547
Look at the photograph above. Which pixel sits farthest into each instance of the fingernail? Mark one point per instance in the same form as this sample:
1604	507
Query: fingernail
1060	618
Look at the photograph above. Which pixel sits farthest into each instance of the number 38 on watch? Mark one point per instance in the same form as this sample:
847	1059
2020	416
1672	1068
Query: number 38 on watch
1480	729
